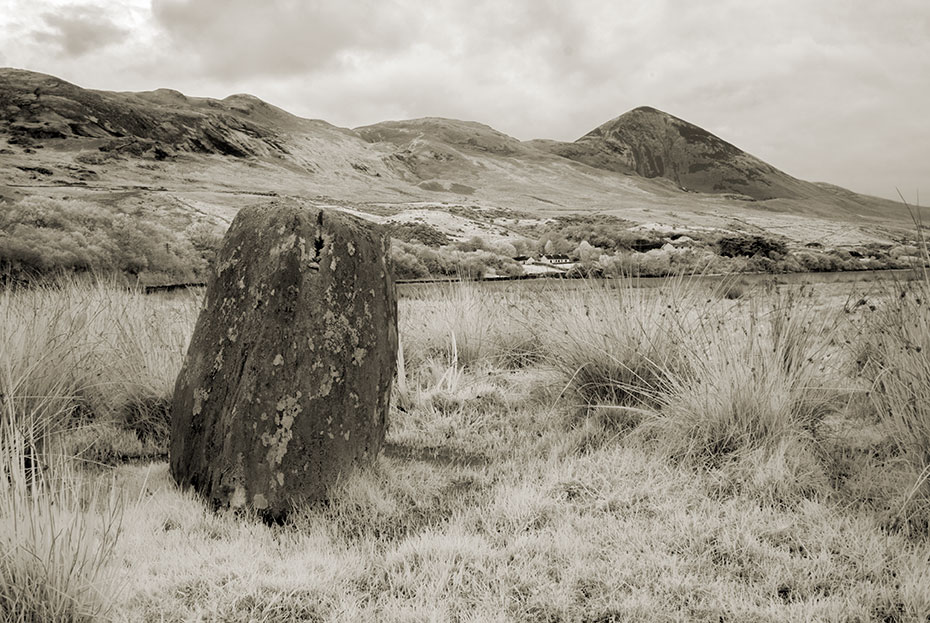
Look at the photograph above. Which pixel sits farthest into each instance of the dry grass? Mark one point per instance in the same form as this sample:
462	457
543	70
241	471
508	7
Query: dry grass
895	357
738	483
755	379
464	322
57	539
56	536
100	357
619	345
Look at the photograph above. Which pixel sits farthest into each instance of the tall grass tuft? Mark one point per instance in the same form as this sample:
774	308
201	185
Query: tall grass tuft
752	383
43	369
141	346
96	350
57	538
898	366
55	545
619	346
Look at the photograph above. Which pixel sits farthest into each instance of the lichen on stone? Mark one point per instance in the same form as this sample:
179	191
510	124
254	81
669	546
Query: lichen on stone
200	395
288	408
287	242
218	360
237	499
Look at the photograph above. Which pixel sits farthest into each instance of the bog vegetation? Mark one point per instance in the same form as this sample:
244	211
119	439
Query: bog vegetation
583	452
44	236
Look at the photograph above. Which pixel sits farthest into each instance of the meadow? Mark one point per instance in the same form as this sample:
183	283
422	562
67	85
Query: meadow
693	451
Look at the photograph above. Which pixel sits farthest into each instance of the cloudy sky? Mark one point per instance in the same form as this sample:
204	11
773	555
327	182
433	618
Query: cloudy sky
827	90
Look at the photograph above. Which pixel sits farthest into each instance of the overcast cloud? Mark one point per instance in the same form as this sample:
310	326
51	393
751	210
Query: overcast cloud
73	31
827	90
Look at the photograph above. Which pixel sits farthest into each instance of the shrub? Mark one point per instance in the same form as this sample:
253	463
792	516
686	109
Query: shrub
599	230
406	264
748	246
39	237
818	262
206	241
655	263
414	260
421	233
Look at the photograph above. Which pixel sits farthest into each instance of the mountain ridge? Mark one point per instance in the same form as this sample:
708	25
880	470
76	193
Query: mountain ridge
644	165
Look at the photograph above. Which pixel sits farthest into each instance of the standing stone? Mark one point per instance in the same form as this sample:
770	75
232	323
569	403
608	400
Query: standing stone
287	379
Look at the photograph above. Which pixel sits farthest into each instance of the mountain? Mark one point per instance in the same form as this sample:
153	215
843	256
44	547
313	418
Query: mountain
652	143
162	154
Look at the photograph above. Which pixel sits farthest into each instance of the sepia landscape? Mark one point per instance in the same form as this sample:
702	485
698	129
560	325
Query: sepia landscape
256	366
144	184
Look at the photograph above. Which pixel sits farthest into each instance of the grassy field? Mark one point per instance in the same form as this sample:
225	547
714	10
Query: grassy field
717	452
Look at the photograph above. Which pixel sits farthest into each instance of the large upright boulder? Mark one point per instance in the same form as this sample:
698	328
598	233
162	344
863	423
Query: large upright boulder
288	375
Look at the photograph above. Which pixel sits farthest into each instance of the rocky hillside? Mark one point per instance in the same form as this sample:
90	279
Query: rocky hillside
200	159
158	123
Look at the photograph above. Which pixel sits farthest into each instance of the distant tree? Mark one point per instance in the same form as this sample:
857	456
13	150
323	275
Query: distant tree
585	251
504	249
524	246
406	265
475	243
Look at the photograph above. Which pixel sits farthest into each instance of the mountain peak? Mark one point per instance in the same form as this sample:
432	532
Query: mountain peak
649	109
653	143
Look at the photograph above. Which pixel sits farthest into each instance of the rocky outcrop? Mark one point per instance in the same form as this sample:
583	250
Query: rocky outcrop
287	379
36	106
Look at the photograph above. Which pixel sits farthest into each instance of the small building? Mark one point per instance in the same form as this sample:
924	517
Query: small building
556	258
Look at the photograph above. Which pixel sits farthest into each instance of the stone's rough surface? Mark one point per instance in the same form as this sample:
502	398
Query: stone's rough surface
288	375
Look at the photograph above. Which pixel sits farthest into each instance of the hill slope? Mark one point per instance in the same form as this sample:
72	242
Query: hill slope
200	159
